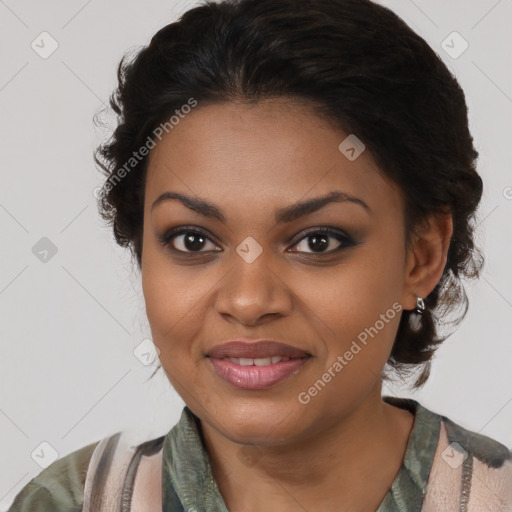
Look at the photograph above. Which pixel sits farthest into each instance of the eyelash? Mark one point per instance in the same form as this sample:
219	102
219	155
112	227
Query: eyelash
346	241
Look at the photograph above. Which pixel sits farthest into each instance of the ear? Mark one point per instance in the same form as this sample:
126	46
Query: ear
426	258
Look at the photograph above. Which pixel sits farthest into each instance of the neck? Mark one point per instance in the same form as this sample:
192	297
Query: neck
349	462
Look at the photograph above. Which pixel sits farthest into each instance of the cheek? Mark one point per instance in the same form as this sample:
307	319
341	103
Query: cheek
173	309
358	302
173	301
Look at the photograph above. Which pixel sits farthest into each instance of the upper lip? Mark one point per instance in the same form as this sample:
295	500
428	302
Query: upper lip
255	349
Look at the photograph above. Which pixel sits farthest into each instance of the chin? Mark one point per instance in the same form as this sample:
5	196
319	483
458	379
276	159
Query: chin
258	423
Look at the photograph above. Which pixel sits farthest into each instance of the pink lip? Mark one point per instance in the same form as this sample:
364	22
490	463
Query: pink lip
256	377
255	349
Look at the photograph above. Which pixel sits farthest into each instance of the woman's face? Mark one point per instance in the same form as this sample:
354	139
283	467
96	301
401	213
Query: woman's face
249	276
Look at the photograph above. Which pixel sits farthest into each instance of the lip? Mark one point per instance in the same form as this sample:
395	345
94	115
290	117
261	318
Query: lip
257	377
252	376
255	349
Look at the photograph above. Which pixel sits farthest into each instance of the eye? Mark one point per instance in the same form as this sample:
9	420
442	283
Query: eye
186	240
193	240
321	240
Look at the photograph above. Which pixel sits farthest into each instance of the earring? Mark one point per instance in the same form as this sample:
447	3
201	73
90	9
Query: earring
420	305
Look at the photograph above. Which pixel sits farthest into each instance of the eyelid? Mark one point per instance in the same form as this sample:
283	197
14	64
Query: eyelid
340	235
172	233
328	230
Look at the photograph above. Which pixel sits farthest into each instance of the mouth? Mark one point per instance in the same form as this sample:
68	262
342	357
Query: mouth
257	365
258	351
258	361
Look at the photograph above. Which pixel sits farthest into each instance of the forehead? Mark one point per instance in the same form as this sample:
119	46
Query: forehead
273	152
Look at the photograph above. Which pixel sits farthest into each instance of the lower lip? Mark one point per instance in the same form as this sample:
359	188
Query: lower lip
256	377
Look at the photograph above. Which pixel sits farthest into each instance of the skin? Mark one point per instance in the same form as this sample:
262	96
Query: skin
343	449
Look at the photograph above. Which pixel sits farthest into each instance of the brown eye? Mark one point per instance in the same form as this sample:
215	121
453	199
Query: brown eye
187	240
323	240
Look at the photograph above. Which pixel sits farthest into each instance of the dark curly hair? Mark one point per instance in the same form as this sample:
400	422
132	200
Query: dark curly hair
361	67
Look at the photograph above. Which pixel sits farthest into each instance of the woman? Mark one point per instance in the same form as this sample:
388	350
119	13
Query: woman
297	183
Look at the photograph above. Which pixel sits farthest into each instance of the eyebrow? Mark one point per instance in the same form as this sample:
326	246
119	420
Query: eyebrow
286	214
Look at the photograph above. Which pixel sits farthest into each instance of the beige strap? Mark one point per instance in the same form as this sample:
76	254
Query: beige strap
107	473
147	492
443	489
451	476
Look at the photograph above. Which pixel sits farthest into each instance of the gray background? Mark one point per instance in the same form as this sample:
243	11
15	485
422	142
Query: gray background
70	324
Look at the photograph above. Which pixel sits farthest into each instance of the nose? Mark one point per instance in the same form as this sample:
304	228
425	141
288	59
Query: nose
252	291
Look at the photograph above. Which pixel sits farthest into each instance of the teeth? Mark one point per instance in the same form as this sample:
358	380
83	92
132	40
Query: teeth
262	361
246	361
259	361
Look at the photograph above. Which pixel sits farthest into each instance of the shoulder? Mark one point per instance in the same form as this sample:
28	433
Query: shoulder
59	487
490	465
486	450
472	467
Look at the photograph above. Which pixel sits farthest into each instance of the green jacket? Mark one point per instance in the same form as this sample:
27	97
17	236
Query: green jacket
188	483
